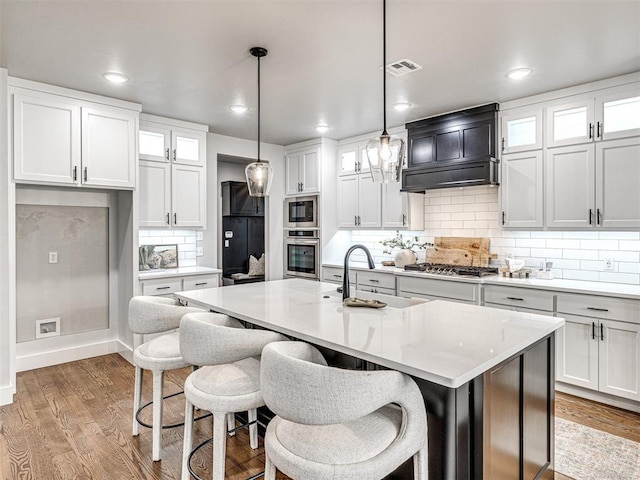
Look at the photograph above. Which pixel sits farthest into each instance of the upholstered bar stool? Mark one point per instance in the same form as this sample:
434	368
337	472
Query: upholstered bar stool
228	380
335	424
149	315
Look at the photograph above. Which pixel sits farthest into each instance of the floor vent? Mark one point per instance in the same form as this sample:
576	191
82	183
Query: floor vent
402	67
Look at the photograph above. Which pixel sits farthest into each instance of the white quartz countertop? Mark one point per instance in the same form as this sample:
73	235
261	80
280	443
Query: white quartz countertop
559	284
443	342
176	272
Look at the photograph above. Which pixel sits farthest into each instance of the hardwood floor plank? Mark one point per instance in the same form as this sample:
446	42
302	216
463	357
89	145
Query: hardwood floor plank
74	421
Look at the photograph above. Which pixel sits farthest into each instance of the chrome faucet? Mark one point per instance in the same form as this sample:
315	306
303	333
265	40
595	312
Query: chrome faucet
345	272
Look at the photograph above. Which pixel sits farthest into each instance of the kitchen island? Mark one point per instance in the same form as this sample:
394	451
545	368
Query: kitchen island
486	374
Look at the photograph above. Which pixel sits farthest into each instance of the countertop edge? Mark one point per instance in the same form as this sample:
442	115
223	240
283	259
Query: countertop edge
178	272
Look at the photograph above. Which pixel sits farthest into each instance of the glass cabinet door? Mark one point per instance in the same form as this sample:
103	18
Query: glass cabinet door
522	130
154	143
188	147
618	114
571	123
348	159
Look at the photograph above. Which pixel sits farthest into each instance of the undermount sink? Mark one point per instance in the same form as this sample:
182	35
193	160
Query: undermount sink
390	300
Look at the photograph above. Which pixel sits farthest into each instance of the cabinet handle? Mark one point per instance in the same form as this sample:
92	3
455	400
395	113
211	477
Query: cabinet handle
601	332
175	154
590	130
598	219
599	130
516	298
175	218
503	215
162	288
373	280
502	144
593	330
301	186
590	216
75	173
404	220
168	219
337	276
200	284
598	309
359	221
85	174
167	154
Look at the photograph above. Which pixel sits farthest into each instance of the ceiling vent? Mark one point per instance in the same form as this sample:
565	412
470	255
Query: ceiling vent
402	67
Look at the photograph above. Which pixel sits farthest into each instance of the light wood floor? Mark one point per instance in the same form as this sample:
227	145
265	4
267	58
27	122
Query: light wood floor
74	421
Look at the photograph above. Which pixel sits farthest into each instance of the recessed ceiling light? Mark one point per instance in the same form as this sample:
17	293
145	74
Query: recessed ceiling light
238	108
322	128
518	73
116	77
401	106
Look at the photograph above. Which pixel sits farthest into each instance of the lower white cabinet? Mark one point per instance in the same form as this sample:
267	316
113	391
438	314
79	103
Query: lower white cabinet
599	346
376	282
168	285
335	275
435	289
518	299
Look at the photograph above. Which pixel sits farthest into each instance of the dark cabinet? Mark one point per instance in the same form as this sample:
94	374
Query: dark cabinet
452	150
241	236
237	201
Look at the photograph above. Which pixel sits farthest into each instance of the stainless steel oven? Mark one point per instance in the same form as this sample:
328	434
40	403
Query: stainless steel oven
302	254
301	212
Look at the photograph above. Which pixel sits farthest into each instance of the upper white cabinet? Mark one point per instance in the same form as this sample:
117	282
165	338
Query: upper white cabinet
359	202
302	171
611	113
64	140
521	130
522	189
352	158
172	191
401	210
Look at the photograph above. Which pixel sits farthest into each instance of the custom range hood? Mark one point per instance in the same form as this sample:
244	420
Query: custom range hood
453	150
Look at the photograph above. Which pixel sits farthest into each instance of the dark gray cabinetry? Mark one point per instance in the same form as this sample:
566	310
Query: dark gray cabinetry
237	201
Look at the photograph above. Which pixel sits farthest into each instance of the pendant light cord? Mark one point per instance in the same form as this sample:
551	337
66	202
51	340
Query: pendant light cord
258	108
384	67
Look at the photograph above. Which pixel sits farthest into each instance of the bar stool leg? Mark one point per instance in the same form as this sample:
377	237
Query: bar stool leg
253	427
188	439
219	445
231	423
137	396
158	384
269	469
420	465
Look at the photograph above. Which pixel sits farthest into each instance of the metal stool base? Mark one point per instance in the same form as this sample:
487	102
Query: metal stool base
173	425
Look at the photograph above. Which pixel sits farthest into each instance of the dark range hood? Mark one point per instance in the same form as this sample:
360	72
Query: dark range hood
453	150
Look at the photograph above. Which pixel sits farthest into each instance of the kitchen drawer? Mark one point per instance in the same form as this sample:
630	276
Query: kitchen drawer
200	281
517	309
519	297
442	289
599	307
334	275
161	286
375	279
386	291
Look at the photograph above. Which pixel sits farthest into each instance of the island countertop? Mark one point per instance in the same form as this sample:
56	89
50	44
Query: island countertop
443	342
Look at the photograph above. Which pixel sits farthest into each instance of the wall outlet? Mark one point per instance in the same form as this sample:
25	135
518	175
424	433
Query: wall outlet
53	257
199	251
49	327
199	235
608	264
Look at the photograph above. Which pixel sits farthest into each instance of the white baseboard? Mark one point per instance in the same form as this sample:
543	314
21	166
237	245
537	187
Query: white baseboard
126	352
614	401
64	355
6	394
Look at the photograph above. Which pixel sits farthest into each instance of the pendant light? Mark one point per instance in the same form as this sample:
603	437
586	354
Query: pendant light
385	153
259	174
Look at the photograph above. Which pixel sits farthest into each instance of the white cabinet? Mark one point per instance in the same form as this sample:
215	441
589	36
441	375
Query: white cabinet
609	114
436	289
171	284
172	191
519	299
69	141
522	189
521	130
401	210
599	346
359	202
335	275
594	185
302	172
376	282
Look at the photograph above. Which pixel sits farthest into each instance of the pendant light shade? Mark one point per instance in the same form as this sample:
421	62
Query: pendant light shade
385	153
259	174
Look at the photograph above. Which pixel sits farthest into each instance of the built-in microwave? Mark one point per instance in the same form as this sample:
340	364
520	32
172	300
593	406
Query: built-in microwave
301	212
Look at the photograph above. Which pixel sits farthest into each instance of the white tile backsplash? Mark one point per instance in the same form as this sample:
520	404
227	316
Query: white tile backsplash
185	239
474	212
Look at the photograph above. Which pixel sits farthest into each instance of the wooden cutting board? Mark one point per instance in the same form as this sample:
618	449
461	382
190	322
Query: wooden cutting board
476	247
449	256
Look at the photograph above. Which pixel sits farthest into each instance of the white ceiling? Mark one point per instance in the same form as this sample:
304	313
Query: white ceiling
190	59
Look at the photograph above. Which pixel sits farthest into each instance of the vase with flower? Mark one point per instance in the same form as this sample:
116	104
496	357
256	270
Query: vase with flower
405	255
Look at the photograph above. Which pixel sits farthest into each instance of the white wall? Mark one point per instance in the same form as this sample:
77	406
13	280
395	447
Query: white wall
7	259
274	154
474	212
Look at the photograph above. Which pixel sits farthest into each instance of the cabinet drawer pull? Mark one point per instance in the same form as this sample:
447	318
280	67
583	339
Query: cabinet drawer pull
598	309
337	276
200	284
516	298
593	330
602	332
162	288
373	280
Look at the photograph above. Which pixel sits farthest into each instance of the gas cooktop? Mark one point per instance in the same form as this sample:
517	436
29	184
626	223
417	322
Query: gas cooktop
440	269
